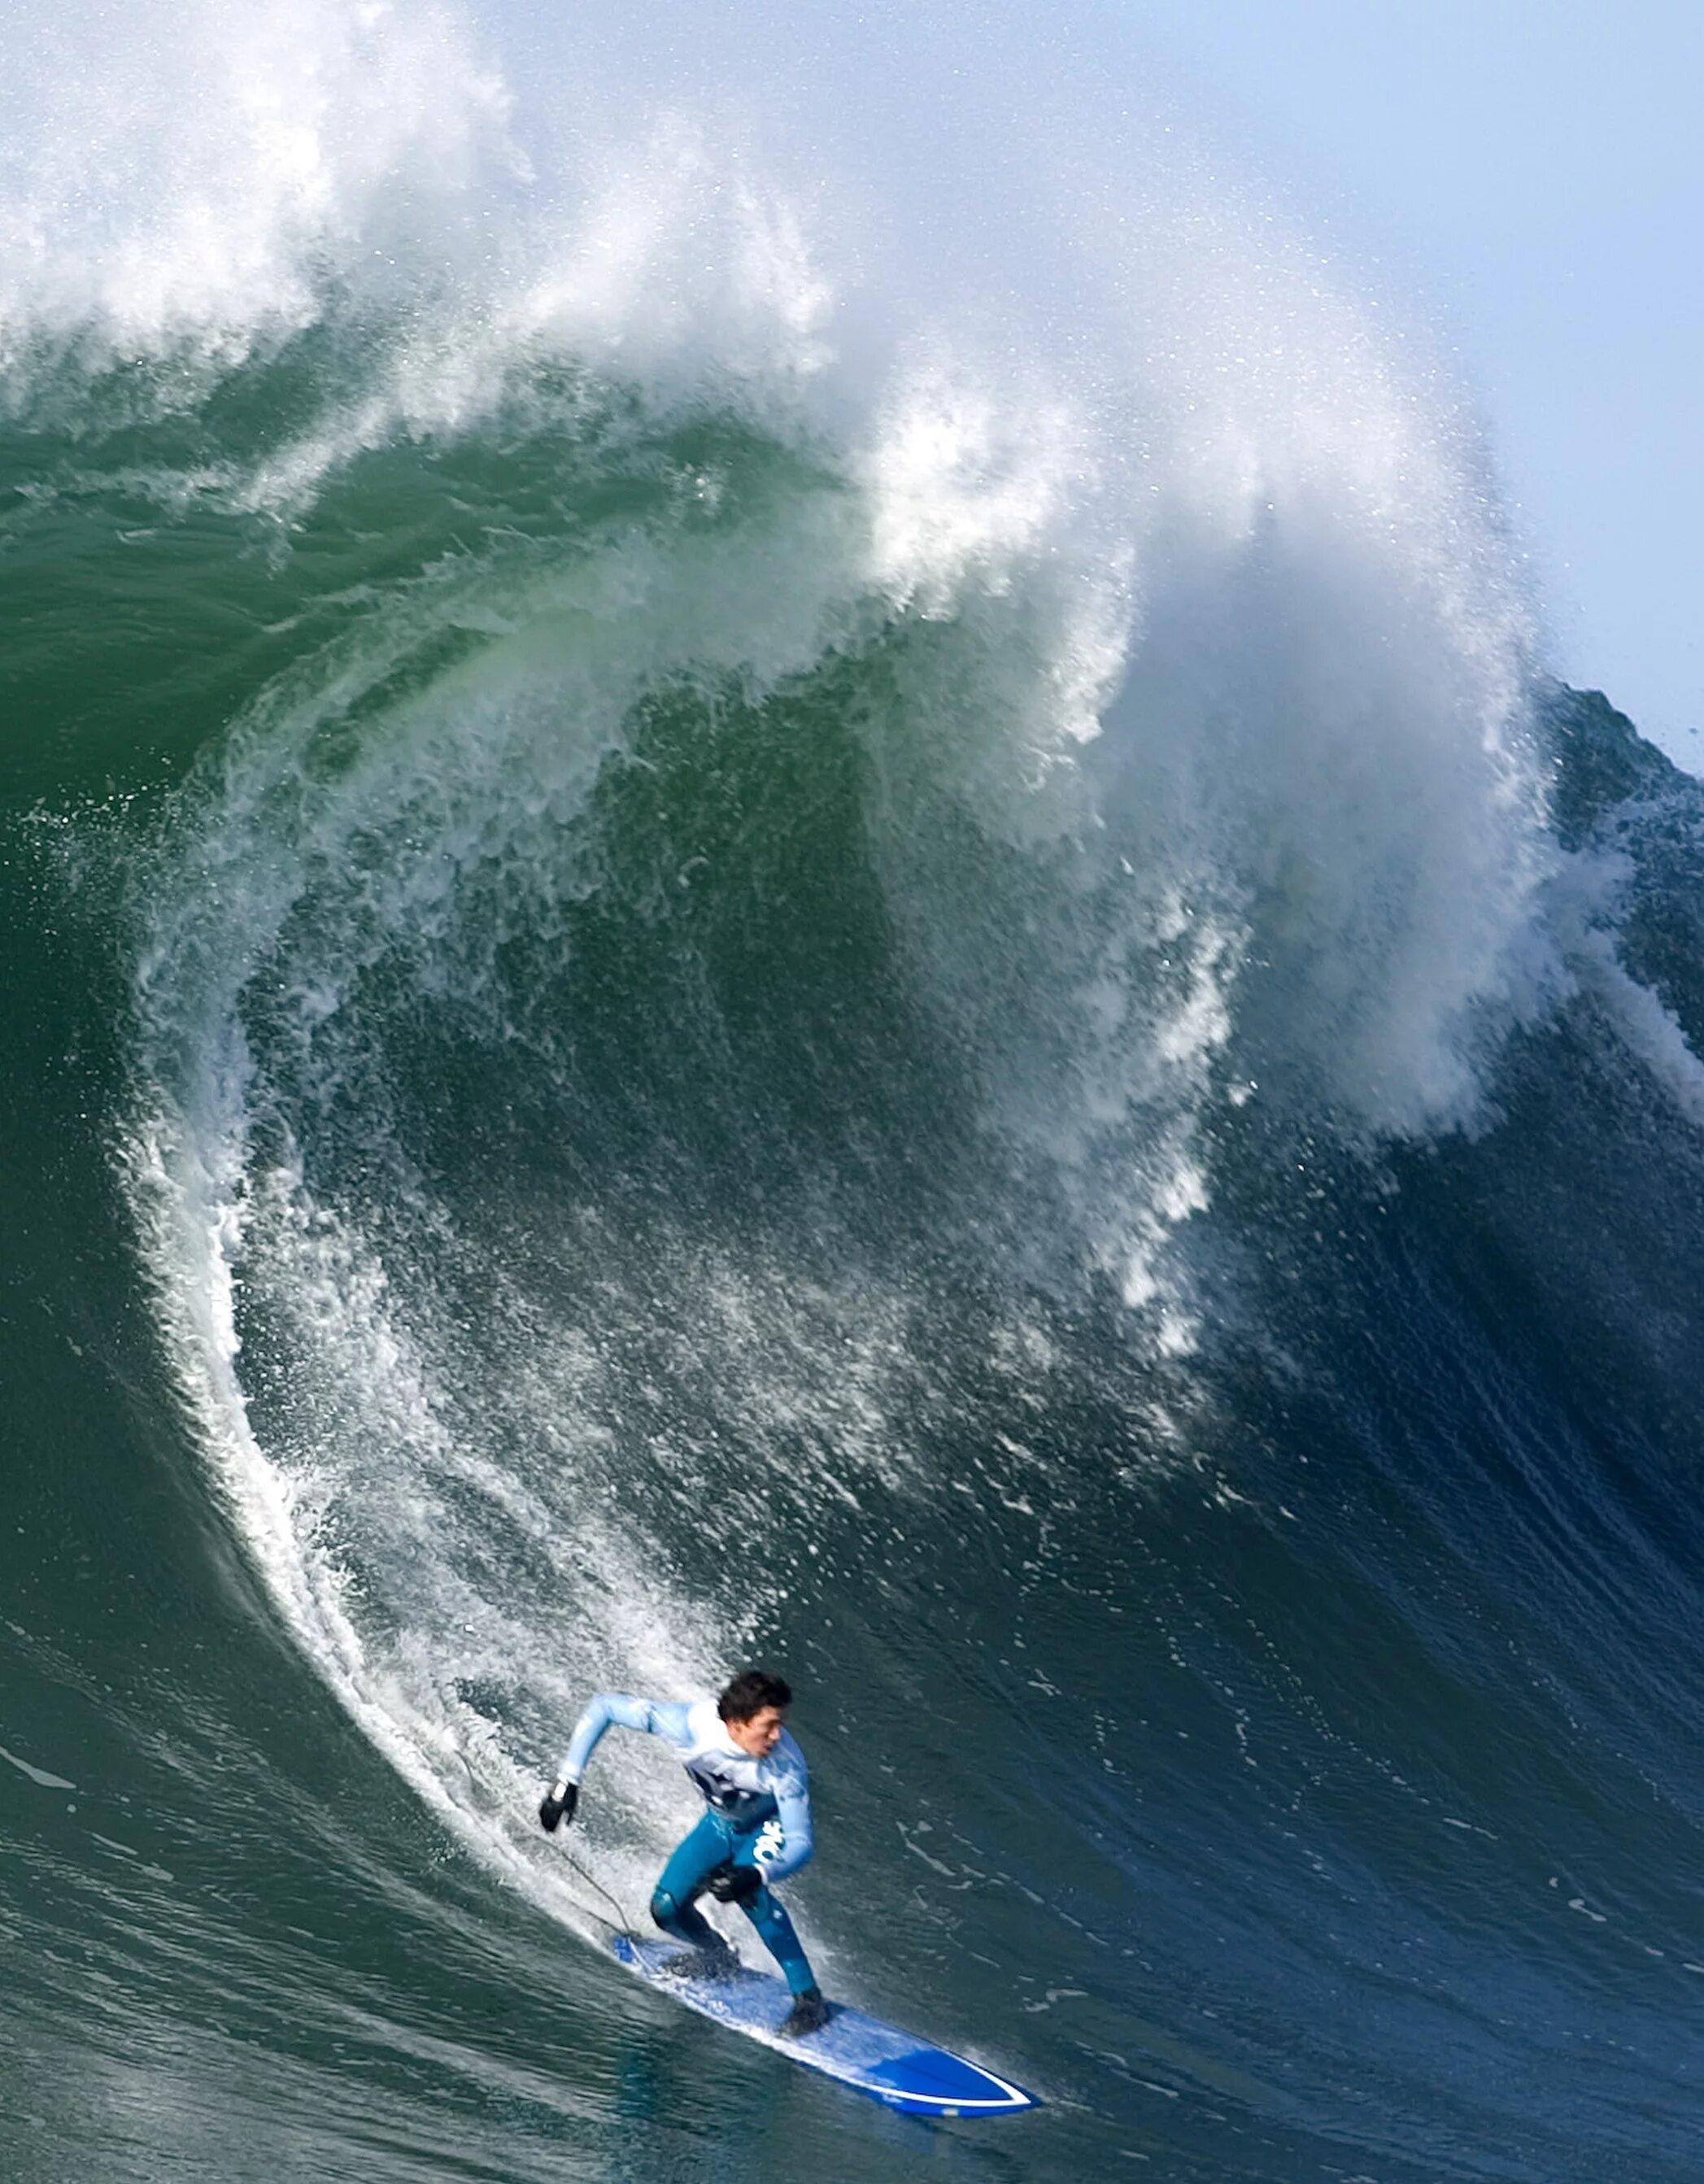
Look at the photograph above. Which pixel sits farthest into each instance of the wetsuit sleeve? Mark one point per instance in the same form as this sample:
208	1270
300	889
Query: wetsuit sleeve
620	1710
793	1810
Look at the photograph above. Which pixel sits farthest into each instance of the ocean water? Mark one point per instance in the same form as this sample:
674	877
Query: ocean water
787	875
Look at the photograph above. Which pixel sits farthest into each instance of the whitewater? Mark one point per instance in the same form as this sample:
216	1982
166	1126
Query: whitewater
790	877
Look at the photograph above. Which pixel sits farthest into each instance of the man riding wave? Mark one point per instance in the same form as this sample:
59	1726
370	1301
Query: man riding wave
754	1829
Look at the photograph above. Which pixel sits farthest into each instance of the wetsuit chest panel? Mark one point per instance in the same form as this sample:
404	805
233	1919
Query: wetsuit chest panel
732	1783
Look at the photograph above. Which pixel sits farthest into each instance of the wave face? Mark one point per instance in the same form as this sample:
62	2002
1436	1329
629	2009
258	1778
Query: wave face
793	883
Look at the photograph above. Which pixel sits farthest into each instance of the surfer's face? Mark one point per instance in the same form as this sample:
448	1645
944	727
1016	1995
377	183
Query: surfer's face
758	1734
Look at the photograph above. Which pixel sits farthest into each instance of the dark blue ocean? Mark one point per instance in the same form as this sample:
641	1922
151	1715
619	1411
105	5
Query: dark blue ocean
788	875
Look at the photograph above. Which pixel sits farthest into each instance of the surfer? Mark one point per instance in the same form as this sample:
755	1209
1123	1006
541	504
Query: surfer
755	1827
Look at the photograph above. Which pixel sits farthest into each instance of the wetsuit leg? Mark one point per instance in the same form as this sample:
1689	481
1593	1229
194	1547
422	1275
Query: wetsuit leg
682	1882
776	1930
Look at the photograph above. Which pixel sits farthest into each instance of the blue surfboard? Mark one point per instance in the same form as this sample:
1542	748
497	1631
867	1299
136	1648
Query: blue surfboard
889	2065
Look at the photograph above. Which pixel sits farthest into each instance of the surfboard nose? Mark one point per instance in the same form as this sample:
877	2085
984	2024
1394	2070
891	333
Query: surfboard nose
931	2080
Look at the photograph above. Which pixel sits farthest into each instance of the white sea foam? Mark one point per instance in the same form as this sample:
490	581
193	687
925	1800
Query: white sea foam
357	1514
1649	1029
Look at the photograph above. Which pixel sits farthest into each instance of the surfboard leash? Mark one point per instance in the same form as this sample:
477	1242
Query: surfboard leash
626	1925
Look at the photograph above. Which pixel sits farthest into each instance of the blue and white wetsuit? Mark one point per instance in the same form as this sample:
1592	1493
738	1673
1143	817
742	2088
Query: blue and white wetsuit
757	1813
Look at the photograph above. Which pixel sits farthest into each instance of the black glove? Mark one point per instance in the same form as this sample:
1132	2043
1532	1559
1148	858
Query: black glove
735	1884
558	1807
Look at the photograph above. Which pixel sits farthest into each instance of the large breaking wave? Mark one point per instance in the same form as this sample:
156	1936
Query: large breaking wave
884	760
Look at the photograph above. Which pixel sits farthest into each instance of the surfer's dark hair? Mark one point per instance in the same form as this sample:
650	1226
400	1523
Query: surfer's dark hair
750	1693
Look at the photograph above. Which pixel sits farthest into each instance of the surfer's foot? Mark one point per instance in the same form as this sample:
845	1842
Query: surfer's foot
809	2013
688	1961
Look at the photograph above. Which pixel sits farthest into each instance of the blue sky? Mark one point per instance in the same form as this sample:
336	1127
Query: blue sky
1533	175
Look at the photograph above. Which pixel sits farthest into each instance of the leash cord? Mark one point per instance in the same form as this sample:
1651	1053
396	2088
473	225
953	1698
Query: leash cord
625	1925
